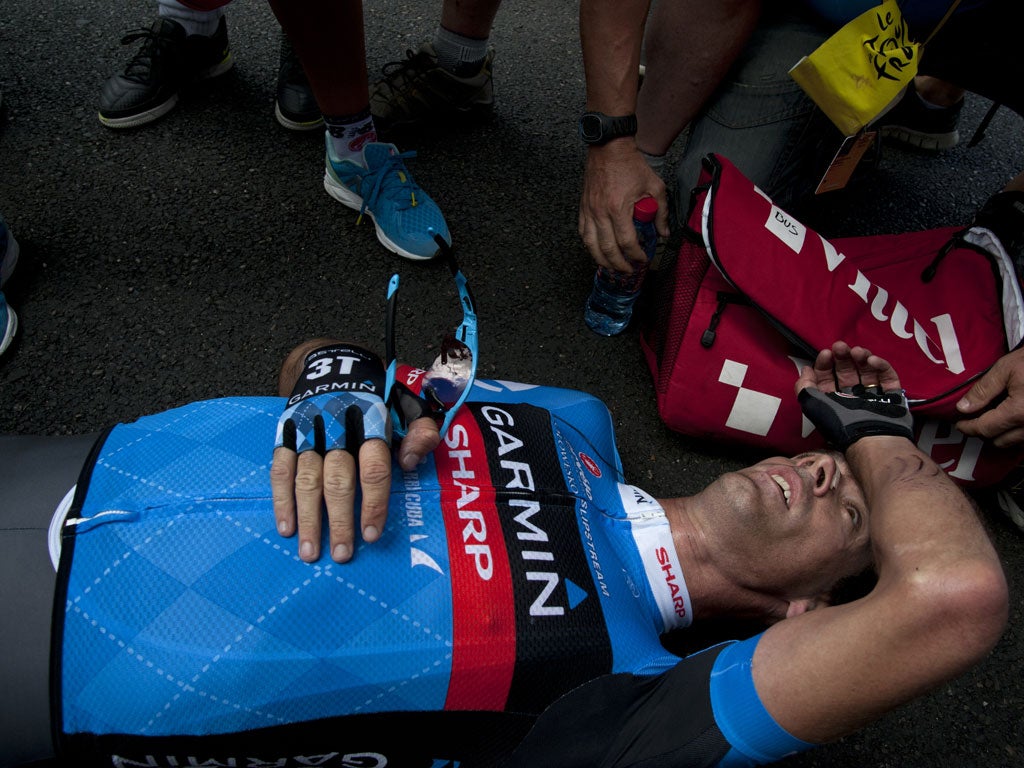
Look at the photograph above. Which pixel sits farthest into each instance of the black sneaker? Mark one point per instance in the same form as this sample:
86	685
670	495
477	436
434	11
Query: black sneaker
914	124
167	60
295	108
419	90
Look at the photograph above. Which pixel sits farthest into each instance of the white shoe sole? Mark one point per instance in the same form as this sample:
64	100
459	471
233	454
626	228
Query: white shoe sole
292	125
929	141
160	110
12	328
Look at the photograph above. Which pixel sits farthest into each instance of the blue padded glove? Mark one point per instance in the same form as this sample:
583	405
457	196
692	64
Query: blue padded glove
844	417
337	403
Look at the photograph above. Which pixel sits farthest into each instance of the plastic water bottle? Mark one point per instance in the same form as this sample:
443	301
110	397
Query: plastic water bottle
611	301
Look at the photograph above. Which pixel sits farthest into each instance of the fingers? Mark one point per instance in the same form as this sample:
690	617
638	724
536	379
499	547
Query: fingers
1001	385
301	486
340	487
822	375
282	489
1003	425
308	498
340	498
874	371
611	241
988	387
887	377
844	366
421	439
375	481
614	178
661	220
1010	438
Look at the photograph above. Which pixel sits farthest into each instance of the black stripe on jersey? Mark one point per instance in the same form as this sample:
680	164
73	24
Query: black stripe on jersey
561	637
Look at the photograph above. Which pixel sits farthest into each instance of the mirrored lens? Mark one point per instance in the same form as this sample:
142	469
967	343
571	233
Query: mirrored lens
450	374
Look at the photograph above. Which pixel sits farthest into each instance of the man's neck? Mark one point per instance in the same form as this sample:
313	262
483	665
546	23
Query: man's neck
713	595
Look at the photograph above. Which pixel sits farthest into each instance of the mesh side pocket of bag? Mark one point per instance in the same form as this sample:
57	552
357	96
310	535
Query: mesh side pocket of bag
672	308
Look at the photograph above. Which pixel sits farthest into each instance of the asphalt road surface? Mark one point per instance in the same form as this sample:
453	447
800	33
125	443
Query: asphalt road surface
182	261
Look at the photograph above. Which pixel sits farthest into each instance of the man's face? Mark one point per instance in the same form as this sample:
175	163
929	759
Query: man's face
789	527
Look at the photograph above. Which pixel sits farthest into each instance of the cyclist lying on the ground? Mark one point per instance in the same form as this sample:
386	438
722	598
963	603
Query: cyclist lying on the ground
508	610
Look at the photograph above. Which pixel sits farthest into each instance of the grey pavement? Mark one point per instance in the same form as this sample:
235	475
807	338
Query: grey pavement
182	261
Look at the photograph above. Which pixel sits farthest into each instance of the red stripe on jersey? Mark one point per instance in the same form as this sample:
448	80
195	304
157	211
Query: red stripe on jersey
483	611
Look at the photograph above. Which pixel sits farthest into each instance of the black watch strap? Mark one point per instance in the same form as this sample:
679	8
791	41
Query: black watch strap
597	128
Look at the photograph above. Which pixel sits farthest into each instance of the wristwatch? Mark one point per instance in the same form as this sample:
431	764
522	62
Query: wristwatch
597	128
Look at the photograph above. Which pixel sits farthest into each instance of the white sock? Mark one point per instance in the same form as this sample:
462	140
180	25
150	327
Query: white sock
349	134
195	22
459	55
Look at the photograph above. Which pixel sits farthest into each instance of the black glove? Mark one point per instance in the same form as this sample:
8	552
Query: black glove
846	416
407	406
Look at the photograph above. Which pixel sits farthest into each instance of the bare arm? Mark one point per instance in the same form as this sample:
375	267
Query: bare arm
690	46
616	175
939	606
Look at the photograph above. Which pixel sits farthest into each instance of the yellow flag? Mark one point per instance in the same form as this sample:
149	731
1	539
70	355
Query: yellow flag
855	74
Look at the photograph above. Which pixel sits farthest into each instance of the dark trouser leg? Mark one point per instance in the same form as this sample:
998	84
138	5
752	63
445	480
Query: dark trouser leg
38	472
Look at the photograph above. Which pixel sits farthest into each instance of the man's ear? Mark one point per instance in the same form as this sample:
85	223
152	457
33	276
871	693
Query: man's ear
805	604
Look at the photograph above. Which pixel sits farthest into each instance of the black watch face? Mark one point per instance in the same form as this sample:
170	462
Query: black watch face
590	128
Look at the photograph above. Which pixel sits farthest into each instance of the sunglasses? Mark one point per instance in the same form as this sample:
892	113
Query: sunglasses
447	382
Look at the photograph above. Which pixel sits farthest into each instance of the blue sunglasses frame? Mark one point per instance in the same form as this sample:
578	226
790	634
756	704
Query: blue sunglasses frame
465	334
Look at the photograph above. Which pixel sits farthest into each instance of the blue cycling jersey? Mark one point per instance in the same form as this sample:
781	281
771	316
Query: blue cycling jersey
515	567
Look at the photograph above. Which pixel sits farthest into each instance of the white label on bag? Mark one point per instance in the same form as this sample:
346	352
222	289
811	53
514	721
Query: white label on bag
786	228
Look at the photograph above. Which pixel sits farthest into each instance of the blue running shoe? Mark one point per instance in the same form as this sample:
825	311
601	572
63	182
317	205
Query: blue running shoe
8	258
405	216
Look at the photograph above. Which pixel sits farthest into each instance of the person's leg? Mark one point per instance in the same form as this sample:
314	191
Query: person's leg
938	92
328	37
449	77
361	173
329	40
461	38
926	116
978	50
762	121
38	473
975	50
689	47
183	45
196	20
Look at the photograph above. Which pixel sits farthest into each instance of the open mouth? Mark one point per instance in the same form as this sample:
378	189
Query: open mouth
786	492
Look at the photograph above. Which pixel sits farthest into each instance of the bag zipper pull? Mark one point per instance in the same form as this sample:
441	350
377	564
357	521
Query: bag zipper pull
929	272
708	337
